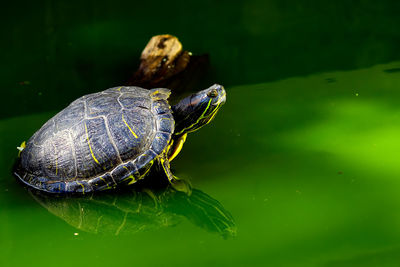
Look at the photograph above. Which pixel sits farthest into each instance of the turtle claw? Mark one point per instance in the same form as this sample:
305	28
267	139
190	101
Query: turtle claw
181	185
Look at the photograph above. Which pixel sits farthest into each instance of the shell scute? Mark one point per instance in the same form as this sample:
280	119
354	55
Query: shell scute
98	141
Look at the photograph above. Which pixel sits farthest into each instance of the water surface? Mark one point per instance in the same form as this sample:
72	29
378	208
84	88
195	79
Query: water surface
302	163
308	167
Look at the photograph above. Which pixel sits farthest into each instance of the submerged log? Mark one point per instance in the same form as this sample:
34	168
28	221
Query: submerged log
164	63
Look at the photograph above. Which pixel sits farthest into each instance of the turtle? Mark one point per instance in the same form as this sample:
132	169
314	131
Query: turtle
132	210
113	138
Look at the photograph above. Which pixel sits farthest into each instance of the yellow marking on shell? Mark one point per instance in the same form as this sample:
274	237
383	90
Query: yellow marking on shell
158	95
151	164
127	125
133	179
108	185
119	89
21	147
178	147
91	151
83	187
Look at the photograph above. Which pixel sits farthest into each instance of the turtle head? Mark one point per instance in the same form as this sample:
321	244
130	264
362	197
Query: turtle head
197	110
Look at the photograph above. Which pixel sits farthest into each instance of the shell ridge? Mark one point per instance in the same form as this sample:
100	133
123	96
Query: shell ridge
73	152
158	126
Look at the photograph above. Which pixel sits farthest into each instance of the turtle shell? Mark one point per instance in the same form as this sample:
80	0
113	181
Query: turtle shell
99	141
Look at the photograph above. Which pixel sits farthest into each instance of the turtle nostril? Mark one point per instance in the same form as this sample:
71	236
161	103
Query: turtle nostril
213	93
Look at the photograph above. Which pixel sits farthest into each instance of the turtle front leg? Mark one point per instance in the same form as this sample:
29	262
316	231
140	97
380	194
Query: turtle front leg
178	184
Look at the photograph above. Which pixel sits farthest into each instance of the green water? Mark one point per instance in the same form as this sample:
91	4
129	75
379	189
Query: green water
304	155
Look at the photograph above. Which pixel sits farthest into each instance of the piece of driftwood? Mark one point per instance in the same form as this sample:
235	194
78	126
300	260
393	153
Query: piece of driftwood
164	63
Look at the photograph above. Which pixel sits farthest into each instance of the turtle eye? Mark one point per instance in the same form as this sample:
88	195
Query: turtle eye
213	93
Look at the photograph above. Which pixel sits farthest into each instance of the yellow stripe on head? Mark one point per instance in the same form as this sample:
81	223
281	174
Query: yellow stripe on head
187	129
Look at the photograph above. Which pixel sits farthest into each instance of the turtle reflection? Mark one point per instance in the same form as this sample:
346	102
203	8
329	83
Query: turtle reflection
132	211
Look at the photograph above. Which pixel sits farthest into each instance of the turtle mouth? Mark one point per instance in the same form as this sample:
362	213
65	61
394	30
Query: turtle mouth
221	100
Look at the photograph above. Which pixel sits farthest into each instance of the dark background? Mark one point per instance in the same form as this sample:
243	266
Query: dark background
56	51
